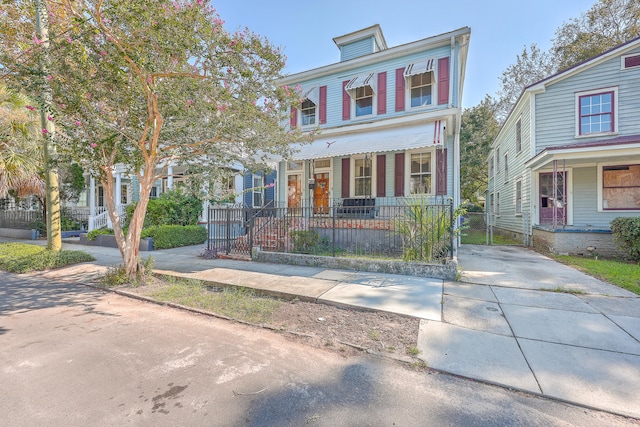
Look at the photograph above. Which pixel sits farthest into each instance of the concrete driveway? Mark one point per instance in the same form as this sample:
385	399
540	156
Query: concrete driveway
520	319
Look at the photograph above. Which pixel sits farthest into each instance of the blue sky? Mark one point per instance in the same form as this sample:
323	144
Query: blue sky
499	28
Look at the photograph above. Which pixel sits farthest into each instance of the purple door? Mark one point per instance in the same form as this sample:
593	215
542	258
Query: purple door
550	200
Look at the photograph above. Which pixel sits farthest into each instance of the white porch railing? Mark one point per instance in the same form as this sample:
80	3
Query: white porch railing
101	218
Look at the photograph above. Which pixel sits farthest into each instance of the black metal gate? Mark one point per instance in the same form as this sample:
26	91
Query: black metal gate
229	230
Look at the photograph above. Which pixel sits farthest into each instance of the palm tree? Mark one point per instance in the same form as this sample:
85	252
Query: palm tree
20	152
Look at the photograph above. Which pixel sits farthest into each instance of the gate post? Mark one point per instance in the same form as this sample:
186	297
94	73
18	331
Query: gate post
451	229
228	233
209	227
251	223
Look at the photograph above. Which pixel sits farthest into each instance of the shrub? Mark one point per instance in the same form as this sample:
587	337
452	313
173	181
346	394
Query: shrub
23	258
626	233
173	236
305	241
117	275
94	233
171	208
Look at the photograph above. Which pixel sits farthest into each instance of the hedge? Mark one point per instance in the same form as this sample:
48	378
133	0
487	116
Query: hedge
173	236
626	233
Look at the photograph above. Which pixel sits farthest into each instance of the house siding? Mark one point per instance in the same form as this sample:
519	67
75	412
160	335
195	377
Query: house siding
556	108
335	91
356	49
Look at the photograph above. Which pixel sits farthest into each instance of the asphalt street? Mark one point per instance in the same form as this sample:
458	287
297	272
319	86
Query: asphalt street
72	355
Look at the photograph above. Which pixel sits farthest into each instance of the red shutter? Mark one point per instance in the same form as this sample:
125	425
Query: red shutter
441	171
400	89
443	80
399	175
381	175
382	93
323	105
346	102
293	120
632	61
346	177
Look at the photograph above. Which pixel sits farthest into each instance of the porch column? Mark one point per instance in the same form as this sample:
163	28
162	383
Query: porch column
92	203
169	177
118	189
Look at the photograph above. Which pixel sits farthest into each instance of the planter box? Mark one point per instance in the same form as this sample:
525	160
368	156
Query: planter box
109	241
19	234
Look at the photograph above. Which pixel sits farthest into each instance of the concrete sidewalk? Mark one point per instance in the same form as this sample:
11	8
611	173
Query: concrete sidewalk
501	324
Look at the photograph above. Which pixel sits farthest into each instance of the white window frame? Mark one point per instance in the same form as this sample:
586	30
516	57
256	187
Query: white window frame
352	189
601	189
518	209
374	100
576	109
315	115
257	189
407	168
622	61
506	167
497	212
497	165
409	87
491	166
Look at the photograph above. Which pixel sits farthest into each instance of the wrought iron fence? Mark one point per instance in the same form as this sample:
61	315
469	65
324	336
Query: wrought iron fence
413	230
20	219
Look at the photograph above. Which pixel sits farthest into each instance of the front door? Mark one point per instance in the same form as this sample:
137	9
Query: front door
321	193
550	200
294	191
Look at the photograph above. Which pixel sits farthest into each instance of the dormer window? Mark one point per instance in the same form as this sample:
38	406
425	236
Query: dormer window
308	113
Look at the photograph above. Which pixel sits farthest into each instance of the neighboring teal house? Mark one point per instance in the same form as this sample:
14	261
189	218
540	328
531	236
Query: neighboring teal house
390	124
567	160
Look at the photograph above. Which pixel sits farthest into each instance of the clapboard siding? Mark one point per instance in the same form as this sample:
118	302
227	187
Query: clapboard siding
556	107
356	49
334	87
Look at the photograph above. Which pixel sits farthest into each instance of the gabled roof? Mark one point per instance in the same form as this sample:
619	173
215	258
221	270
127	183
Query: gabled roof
541	85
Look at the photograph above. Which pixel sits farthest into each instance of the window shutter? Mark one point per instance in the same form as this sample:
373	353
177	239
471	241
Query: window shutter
400	89
382	93
399	174
443	80
323	105
293	120
381	175
346	102
346	177
441	172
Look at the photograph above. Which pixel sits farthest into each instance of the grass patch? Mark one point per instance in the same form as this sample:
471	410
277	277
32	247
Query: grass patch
117	275
478	237
238	303
622	274
23	258
561	290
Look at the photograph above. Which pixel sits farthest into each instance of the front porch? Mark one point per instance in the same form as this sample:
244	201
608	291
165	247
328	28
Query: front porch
575	240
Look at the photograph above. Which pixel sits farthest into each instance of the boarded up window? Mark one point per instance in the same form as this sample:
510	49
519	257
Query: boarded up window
621	187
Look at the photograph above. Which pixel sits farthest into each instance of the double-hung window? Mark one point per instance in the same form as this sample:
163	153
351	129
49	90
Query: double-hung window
363	174
420	175
421	89
258	190
364	101
308	113
518	197
518	136
596	112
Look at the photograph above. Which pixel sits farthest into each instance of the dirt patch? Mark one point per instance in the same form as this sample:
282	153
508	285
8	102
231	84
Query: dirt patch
346	331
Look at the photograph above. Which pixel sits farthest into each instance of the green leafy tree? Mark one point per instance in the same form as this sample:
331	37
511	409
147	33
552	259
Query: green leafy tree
607	24
20	156
478	129
146	84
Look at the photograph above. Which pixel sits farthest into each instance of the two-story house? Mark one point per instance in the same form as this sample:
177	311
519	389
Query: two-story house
567	160
389	121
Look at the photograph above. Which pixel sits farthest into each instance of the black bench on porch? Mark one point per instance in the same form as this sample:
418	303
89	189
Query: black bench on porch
357	208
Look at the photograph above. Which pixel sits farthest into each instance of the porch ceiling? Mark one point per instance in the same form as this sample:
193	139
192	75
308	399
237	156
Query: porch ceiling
393	139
